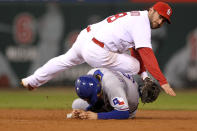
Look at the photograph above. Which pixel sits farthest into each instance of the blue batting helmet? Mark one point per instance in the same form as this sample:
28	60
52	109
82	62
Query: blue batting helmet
87	87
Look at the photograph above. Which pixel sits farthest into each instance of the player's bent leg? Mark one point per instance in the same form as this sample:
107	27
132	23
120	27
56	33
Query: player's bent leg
53	67
79	104
71	58
96	56
126	64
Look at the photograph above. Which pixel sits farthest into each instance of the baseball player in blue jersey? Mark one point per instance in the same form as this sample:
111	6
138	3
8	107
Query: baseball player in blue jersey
105	94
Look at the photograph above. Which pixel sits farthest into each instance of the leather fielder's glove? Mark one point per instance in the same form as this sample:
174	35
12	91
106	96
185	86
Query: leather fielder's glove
149	91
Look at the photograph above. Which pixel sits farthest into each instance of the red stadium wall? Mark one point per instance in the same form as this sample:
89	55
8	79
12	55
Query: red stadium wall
173	1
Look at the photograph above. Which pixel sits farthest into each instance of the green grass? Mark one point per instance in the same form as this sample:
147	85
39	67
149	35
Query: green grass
39	99
61	98
184	100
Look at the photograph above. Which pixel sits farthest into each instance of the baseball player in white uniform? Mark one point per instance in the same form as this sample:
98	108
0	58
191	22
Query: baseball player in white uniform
103	45
105	94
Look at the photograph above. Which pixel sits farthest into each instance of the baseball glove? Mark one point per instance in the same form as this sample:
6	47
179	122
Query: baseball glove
149	91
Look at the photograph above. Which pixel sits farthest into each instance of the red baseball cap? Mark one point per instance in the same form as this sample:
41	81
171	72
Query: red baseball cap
164	10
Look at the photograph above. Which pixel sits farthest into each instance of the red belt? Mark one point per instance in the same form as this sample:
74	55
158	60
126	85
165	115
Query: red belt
101	44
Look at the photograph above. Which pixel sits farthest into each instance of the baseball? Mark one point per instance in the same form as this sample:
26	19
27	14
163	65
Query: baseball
69	115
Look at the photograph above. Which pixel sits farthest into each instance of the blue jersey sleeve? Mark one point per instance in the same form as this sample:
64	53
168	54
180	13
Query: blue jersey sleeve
115	114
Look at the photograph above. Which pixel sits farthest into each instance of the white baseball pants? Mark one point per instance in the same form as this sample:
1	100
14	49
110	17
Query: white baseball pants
84	50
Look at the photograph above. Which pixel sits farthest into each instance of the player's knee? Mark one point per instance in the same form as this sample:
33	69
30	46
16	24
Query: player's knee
135	67
138	67
79	104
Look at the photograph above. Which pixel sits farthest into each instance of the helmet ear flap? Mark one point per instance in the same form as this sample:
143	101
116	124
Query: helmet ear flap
98	77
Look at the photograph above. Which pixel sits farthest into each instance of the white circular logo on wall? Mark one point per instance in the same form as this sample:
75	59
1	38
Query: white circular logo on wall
24	28
168	12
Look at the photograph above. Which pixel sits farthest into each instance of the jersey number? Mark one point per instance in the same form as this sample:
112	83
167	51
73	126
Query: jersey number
115	17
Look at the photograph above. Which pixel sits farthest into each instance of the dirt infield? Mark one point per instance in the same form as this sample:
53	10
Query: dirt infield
54	120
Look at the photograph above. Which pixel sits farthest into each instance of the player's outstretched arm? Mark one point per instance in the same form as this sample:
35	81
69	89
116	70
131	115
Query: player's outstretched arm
77	114
114	114
152	66
81	114
168	90
91	115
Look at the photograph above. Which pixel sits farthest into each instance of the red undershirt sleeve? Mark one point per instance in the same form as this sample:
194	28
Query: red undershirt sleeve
150	63
135	54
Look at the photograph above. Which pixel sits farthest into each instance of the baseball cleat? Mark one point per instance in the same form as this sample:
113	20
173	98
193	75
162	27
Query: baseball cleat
26	85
